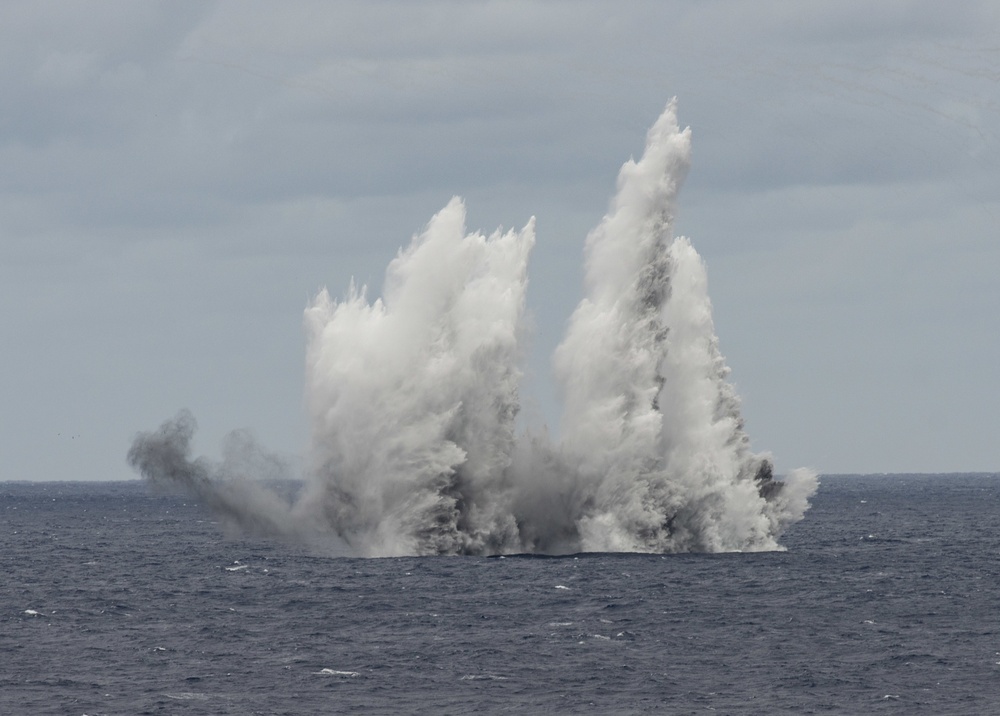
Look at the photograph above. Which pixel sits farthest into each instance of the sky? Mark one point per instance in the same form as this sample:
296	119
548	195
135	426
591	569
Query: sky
179	179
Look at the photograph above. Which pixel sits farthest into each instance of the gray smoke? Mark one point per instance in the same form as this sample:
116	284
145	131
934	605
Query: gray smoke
232	489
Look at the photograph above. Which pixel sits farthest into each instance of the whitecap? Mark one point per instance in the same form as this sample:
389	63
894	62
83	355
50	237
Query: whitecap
335	672
560	586
187	696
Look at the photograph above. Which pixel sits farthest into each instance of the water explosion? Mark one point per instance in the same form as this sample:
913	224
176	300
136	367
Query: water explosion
413	400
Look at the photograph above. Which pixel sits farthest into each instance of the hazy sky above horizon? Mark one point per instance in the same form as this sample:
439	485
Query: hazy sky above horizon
179	179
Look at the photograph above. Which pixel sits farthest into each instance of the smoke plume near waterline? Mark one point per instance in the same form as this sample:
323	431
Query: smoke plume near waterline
413	399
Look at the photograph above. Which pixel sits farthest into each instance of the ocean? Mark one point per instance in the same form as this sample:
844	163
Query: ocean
116	600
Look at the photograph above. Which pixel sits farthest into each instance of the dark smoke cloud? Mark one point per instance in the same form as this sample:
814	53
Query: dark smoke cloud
231	489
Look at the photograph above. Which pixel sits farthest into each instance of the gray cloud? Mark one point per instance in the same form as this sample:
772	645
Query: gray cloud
176	179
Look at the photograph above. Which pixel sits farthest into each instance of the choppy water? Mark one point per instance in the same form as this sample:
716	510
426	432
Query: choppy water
115	601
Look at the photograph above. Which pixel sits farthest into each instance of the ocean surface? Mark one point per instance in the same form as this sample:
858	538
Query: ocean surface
114	600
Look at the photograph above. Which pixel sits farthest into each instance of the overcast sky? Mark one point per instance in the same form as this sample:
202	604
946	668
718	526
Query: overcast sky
178	179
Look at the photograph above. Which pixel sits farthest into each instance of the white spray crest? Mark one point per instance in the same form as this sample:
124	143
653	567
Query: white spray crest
413	400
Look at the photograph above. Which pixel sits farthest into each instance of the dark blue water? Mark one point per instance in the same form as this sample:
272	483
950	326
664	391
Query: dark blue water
115	601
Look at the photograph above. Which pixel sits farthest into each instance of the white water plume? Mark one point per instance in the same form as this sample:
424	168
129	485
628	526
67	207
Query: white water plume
413	397
413	400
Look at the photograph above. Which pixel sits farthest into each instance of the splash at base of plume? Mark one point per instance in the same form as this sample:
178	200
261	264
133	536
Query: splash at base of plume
413	400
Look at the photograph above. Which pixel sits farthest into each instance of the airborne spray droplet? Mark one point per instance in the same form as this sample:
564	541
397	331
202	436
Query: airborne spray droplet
413	400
